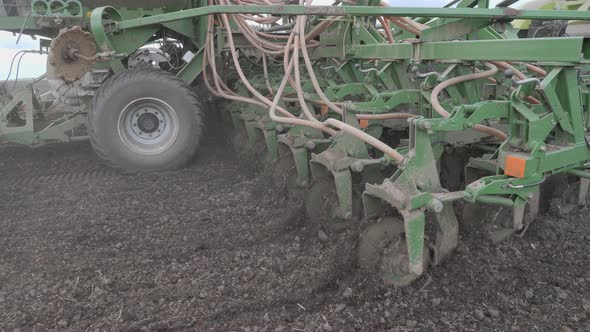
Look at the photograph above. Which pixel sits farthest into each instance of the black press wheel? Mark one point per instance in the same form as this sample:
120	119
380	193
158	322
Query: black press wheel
145	120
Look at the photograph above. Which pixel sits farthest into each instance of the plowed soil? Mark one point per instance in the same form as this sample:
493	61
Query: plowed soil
214	248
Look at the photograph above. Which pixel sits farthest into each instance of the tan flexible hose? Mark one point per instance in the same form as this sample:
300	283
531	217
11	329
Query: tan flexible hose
220	90
460	79
387	29
325	99
274	104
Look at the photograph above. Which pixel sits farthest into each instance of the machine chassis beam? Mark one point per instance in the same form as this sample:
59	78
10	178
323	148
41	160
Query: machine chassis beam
497	14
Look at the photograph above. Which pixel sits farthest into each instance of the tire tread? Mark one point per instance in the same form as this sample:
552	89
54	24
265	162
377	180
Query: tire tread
100	104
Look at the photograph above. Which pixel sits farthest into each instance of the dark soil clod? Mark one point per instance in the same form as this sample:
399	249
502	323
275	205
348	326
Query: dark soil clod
86	249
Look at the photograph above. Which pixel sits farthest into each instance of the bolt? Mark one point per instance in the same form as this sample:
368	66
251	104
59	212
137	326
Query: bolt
310	145
357	166
141	133
161	121
425	125
468	124
435	206
135	125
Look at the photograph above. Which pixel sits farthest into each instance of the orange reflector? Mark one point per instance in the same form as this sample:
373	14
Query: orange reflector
324	110
364	124
515	167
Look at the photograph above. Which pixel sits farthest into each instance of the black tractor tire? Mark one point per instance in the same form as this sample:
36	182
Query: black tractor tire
173	115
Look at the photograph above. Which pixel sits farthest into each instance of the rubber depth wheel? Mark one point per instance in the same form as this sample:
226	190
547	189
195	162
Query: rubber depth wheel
382	249
322	202
145	120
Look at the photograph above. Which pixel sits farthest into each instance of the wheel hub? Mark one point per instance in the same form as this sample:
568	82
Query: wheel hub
148	122
148	126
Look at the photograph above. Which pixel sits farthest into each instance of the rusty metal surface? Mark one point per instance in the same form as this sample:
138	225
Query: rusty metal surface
62	64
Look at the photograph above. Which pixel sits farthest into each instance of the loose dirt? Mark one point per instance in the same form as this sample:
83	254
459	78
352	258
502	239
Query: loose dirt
212	248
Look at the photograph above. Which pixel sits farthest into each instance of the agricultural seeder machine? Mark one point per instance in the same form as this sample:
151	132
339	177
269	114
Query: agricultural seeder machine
404	120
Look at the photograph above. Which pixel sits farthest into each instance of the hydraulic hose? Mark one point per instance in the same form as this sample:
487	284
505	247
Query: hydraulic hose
274	104
297	42
387	29
460	79
324	98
